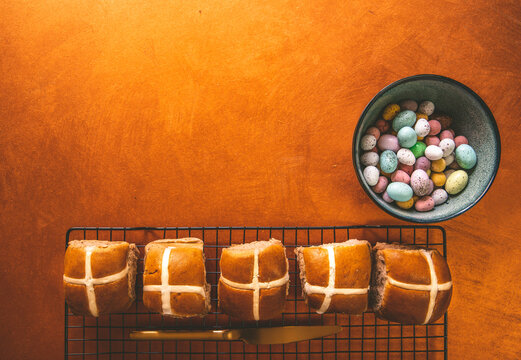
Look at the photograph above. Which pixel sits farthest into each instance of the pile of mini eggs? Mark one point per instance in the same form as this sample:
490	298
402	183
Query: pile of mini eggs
413	157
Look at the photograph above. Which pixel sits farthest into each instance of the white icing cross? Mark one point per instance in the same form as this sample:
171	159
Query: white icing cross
89	281
256	285
433	287
167	289
330	290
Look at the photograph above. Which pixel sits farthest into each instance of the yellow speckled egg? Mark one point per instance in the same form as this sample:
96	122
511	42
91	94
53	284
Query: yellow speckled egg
438	178
429	172
390	111
406	204
420	138
456	182
421	116
438	165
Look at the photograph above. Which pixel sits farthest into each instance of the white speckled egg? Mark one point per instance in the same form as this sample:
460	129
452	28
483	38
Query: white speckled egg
447	145
433	152
422	127
426	107
456	182
439	196
420	182
406	157
370	158
368	142
449	159
371	175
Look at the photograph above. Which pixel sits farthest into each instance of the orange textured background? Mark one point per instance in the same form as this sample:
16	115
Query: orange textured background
122	113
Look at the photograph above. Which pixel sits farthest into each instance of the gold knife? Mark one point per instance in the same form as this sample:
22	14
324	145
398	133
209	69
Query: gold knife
272	335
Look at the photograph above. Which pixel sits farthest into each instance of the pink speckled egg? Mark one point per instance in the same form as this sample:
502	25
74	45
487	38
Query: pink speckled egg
432	140
407	168
381	185
400	176
422	163
373	130
435	127
444	120
425	203
446	134
388	142
420	182
387	198
408	105
458	140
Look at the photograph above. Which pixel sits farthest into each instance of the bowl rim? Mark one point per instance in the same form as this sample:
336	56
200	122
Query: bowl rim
452	82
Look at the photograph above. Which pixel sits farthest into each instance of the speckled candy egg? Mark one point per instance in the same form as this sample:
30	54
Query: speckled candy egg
404	118
407	168
447	146
386	197
420	182
382	125
444	120
422	163
408	105
370	158
371	175
456	182
422	128
426	107
373	130
435	127
405	156
433	152
458	140
466	156
388	142
438	165
388	161
446	134
432	140
439	196
400	176
448	173
407	137
381	185
399	191
418	149
406	204
449	159
425	203
368	142
390	111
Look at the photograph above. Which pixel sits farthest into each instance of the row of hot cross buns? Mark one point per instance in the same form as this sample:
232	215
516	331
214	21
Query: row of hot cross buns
400	283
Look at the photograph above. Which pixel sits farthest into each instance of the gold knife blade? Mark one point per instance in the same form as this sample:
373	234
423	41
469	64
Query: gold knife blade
256	336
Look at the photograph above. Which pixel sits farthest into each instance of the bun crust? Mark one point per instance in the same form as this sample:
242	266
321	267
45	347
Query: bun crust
411	285
254	280
341	270
180	291
99	276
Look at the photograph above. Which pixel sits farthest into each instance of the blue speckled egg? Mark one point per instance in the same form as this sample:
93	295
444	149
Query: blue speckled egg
404	118
399	191
466	156
388	161
407	137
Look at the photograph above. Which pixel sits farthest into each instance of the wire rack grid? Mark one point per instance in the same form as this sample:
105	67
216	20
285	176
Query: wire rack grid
362	337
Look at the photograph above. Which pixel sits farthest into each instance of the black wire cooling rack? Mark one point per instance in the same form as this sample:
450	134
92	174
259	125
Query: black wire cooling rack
362	337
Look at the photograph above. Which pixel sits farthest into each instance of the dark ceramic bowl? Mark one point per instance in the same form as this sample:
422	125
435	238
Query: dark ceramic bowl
471	118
